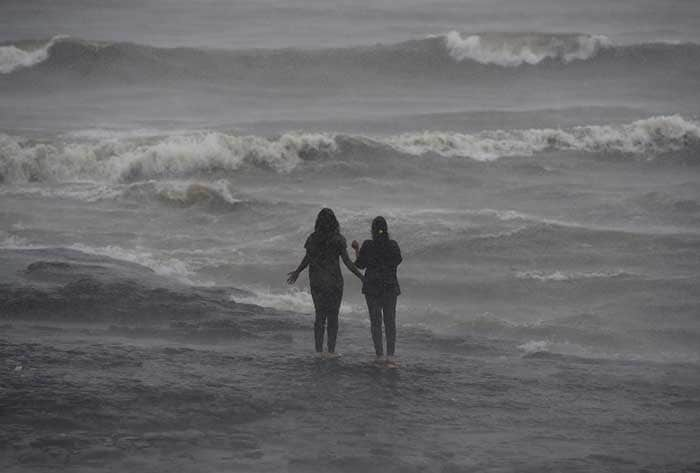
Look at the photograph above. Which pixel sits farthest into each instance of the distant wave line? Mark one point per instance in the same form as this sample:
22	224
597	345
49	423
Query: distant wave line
490	48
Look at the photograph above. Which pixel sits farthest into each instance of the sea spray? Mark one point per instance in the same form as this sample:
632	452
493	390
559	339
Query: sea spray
204	153
510	50
13	57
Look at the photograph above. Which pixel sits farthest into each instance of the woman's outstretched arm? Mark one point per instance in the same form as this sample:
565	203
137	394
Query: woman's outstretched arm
293	275
350	265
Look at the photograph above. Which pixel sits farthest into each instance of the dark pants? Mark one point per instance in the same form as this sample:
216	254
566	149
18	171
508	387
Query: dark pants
382	307
327	305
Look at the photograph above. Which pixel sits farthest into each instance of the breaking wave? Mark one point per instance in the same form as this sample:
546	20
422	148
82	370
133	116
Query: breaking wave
436	55
216	196
212	153
211	195
295	300
517	49
160	265
13	57
649	136
545	349
560	276
142	159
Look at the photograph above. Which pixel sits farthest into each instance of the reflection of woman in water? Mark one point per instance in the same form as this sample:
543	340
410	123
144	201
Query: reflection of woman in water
323	248
380	255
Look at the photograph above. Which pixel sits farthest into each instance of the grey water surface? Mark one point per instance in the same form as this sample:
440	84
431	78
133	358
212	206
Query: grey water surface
162	162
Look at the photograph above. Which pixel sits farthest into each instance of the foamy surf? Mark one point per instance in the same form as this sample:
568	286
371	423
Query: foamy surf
503	49
542	181
136	160
643	137
209	152
13	57
159	264
561	276
548	348
294	300
511	50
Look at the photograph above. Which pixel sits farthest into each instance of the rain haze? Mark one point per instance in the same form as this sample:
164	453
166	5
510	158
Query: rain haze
162	166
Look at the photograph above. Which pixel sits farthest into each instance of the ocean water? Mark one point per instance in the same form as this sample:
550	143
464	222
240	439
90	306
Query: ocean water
161	165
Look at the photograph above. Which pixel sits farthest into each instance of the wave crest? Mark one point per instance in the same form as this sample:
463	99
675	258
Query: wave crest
652	135
211	153
511	50
158	157
561	276
439	56
186	155
13	57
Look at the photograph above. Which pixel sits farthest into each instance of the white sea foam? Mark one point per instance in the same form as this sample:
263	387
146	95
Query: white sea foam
567	348
568	275
183	193
188	193
116	134
13	58
160	265
534	346
14	242
86	192
653	135
171	156
184	155
295	300
511	50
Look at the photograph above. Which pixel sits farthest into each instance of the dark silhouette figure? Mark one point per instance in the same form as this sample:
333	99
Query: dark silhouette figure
323	249
380	255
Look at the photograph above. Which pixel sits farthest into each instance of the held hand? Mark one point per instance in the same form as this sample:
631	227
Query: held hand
355	246
292	277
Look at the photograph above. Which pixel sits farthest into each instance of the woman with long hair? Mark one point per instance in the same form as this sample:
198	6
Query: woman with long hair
323	249
380	255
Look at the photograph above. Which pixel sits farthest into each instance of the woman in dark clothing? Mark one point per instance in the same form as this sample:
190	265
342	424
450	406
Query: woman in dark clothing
323	248
380	255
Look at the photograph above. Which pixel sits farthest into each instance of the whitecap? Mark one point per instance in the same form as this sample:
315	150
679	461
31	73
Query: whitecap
510	50
13	58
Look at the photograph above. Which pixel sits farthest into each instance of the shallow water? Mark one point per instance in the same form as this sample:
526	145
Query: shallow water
231	386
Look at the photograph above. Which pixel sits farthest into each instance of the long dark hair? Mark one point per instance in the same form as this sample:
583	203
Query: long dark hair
380	232
326	223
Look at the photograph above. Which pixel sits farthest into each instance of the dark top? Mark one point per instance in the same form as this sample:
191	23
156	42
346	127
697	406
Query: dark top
381	260
323	252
